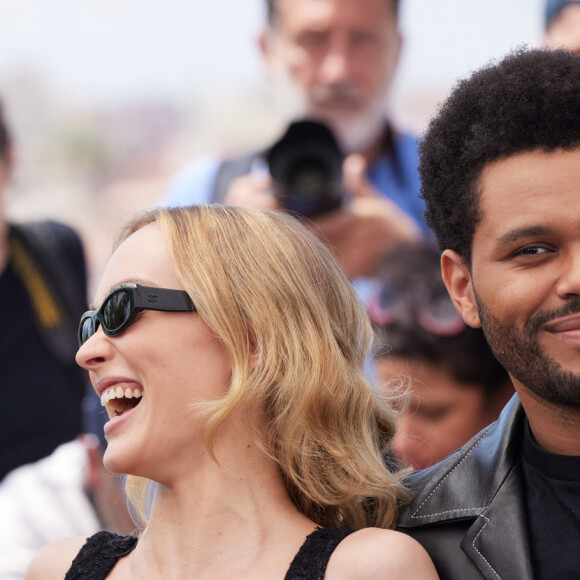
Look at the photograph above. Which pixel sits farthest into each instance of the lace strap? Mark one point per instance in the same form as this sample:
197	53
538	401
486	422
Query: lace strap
312	559
99	555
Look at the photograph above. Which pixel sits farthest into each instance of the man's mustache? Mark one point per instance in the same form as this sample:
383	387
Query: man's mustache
534	323
322	93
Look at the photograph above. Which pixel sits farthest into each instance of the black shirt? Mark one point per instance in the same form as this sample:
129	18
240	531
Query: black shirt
103	550
553	507
40	399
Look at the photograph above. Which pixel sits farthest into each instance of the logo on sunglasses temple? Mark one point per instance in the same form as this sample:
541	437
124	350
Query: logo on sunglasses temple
152	297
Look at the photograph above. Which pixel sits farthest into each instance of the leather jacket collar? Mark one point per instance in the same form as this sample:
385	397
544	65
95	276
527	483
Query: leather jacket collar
481	488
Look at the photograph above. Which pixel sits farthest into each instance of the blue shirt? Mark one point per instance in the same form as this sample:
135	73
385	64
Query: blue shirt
395	176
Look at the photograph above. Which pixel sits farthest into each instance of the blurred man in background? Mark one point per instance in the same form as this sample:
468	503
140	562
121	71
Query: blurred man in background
42	296
562	19
332	61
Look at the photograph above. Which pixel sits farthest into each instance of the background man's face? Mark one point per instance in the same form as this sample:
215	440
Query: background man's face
564	30
525	273
440	414
334	60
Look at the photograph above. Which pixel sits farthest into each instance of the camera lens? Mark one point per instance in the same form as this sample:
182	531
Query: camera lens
308	177
306	168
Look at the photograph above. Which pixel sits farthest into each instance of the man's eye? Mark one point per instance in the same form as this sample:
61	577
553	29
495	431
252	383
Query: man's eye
533	251
311	39
362	38
433	414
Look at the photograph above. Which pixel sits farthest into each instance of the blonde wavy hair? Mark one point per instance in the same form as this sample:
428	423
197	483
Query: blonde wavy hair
273	294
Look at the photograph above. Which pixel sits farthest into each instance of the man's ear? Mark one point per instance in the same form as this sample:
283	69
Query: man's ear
457	278
266	45
398	48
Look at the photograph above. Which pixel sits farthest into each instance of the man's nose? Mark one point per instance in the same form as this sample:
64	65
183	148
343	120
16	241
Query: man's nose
406	440
569	280
337	65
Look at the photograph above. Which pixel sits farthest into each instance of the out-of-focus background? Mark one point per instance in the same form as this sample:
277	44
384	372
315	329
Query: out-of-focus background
108	98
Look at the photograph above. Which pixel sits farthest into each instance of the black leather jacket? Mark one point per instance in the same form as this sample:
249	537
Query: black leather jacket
469	509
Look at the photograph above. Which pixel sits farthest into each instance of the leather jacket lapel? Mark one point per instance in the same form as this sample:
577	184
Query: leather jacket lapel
469	510
497	542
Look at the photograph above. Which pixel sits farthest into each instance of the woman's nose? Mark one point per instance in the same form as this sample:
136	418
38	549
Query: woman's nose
94	351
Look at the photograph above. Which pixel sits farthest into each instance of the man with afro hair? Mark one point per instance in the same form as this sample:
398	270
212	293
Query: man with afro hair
500	169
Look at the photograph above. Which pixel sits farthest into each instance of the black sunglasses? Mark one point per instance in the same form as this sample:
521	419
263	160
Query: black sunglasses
117	311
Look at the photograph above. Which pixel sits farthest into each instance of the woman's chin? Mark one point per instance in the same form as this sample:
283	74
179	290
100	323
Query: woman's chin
120	461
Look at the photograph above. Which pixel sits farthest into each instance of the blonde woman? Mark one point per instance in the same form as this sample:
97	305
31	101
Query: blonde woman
228	349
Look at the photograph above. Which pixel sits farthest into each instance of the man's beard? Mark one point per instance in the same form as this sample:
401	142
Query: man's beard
522	355
355	132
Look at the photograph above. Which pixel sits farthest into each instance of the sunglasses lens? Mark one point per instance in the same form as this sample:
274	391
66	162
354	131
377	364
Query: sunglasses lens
117	311
87	329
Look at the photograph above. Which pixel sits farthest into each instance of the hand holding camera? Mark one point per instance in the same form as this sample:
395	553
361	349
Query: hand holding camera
367	225
310	177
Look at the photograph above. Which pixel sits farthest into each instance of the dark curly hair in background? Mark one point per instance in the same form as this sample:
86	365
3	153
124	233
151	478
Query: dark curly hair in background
529	100
410	274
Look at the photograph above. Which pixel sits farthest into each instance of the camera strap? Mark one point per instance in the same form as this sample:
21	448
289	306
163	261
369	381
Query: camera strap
230	170
42	254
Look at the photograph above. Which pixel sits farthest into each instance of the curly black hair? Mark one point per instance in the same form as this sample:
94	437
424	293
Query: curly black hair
411	276
528	101
272	8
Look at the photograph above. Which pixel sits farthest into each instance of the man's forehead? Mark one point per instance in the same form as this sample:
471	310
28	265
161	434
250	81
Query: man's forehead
279	10
528	174
532	190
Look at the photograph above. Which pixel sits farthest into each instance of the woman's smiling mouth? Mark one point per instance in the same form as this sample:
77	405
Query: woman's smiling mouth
119	398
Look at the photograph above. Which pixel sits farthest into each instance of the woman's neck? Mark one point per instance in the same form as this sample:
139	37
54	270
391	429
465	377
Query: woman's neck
220	523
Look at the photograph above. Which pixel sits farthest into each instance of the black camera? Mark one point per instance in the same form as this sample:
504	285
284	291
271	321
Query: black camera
306	169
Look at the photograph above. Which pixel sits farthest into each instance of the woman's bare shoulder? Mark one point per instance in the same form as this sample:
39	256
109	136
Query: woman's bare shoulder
377	554
54	560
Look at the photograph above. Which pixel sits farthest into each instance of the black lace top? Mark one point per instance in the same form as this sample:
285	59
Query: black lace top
102	551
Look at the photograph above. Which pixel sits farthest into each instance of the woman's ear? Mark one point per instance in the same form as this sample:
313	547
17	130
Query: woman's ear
255	353
254	359
457	278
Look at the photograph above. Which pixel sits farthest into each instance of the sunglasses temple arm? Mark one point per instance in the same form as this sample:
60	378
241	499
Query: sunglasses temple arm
163	299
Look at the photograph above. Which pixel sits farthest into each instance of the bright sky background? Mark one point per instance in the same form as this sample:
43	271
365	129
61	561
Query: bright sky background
198	58
103	50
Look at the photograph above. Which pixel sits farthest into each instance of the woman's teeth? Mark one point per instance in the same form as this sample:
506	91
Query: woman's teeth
120	393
